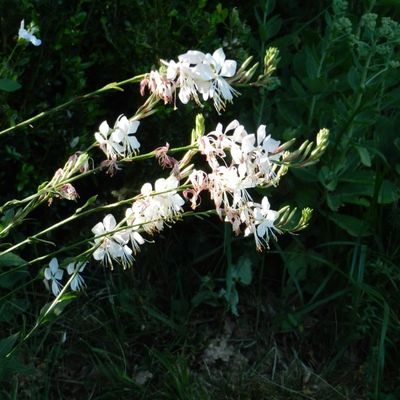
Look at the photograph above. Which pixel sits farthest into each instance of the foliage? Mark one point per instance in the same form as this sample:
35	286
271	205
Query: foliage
316	316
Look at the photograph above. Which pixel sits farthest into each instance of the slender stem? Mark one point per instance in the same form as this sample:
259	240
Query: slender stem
6	64
109	86
355	108
262	54
319	71
46	193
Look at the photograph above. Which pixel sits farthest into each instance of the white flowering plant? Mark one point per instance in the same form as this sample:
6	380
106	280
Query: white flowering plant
235	164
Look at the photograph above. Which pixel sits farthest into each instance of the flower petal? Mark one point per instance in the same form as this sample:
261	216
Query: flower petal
228	68
98	229
109	222
53	264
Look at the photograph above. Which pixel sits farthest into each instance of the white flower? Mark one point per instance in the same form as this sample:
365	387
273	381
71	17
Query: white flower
263	224
106	144
28	34
158	84
124	137
111	246
156	207
198	73
76	268
220	90
192	57
170	201
54	274
185	79
119	141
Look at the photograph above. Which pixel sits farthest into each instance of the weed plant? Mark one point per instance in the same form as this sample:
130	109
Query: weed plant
202	314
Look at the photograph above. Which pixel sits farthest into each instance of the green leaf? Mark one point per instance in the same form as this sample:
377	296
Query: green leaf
353	226
353	193
364	155
46	316
317	85
11	260
311	62
298	88
7	344
335	200
232	299
11	307
328	178
8	85
354	79
242	271
10	275
205	296
270	28
388	193
161	317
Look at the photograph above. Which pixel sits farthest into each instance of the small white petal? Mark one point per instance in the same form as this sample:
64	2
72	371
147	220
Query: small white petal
228	68
98	254
146	189
47	274
203	72
133	126
118	136
265	204
104	128
184	95
59	274
99	138
160	185
35	41
70	268
98	229
261	132
137	237
219	56
133	142
225	88
55	288
109	222
53	264
233	125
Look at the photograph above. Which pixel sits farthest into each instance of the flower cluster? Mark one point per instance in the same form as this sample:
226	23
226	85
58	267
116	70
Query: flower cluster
239	161
149	213
195	74
54	274
119	141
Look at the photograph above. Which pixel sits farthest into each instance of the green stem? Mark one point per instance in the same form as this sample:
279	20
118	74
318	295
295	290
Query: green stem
262	54
319	71
6	64
350	122
45	193
109	86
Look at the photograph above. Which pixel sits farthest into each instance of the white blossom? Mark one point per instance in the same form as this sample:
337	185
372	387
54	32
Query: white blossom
28	34
239	162
119	141
76	268
220	90
156	207
54	274
111	246
261	223
124	137
197	73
